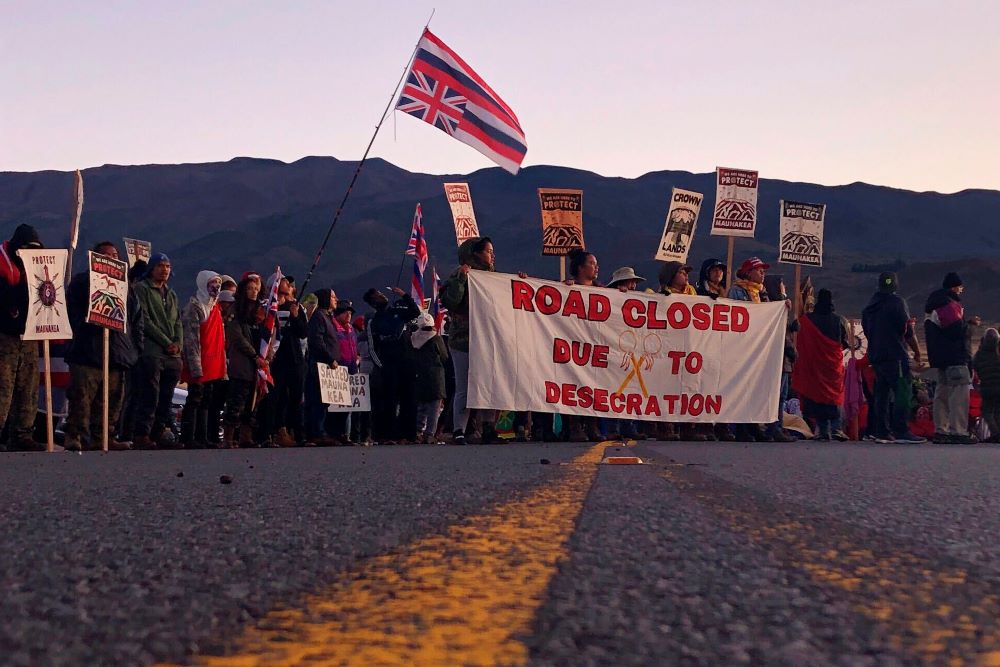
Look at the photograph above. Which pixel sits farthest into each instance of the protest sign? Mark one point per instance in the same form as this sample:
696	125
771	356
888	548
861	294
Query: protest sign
108	292
682	218
548	347
361	400
137	250
460	200
334	387
47	316
801	233
562	220
735	202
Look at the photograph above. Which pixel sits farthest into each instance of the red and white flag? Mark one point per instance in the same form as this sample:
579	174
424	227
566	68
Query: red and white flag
417	248
441	89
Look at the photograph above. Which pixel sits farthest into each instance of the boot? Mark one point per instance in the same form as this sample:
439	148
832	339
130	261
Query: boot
284	438
200	434
490	436
228	437
188	418
246	437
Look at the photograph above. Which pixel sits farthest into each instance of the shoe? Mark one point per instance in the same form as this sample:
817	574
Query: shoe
868	438
840	436
28	444
885	440
781	436
522	434
458	438
965	440
284	439
942	438
115	445
910	439
73	444
143	442
822	437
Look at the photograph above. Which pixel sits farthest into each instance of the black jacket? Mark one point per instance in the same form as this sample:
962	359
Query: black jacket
291	331
385	330
87	346
886	323
947	332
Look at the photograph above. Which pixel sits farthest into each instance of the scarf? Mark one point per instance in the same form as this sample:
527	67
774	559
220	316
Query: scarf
752	288
688	289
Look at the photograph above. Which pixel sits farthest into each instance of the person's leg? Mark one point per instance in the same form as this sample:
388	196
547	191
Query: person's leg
193	404
24	406
147	393
97	406
215	409
902	399
433	416
8	372
460	410
83	387
170	375
200	433
315	409
941	397
958	399
116	400
885	380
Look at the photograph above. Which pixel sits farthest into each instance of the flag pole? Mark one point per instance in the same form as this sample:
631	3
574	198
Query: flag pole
357	171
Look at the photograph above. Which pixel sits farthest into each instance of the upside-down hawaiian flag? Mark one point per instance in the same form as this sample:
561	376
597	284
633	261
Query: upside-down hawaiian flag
441	89
417	248
269	339
437	311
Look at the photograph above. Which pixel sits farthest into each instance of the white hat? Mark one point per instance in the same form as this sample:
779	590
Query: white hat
622	274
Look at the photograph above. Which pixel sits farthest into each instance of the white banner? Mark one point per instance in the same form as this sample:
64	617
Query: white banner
735	202
334	387
543	346
460	199
47	316
801	233
678	231
361	400
137	250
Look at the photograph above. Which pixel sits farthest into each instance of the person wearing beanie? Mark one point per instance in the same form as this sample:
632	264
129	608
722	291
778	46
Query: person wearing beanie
818	375
18	358
889	330
159	367
949	352
204	357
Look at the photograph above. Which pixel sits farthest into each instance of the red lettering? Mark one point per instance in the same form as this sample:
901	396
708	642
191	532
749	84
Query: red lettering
574	305
551	392
633	403
601	400
720	312
617	403
652	406
701	315
675	356
693	362
696	405
678	315
600	308
600	356
585	396
560	351
548	299
632	313
684	404
671	399
713	404
654	323
521	294
741	319
569	395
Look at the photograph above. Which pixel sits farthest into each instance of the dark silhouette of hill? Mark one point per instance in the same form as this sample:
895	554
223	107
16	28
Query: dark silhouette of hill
255	213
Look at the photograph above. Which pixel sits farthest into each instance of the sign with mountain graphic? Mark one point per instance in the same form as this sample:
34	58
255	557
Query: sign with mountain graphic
801	233
108	292
562	220
735	202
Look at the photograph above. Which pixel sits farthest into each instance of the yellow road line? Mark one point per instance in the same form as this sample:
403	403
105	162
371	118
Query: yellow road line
465	597
891	586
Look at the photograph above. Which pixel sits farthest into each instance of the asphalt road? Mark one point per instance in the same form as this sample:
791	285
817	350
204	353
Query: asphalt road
801	554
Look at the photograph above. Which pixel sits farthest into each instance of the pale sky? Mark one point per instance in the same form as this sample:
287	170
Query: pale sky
904	93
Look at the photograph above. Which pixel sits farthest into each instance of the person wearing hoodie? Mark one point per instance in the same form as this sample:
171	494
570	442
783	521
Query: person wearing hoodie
204	357
889	330
949	353
384	330
674	279
160	361
324	348
818	376
85	358
987	366
712	279
475	254
18	358
428	356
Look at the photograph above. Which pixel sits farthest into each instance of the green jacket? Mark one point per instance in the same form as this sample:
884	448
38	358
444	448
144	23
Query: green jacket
162	319
455	297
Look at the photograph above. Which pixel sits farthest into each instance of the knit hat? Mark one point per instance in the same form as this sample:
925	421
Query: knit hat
952	280
25	236
888	282
344	305
250	274
155	260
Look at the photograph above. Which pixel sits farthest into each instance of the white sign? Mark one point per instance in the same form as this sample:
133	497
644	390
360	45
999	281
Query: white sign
460	199
334	388
801	233
735	202
47	316
678	231
361	400
548	347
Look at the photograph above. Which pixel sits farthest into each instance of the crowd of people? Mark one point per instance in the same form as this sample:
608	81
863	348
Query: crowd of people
251	369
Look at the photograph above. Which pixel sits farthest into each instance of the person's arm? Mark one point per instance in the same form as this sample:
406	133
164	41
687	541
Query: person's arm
407	308
454	291
191	321
299	325
237	333
178	332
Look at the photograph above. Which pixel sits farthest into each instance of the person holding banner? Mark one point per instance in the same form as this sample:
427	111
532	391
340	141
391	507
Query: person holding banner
85	358
204	357
160	362
18	358
749	284
674	279
347	355
583	270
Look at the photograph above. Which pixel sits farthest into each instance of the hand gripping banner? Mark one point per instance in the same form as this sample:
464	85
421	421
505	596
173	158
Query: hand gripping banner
544	346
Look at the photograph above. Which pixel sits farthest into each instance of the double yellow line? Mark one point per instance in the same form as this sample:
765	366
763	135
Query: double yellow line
465	597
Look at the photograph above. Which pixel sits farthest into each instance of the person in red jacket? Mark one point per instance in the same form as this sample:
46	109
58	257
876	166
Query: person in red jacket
204	357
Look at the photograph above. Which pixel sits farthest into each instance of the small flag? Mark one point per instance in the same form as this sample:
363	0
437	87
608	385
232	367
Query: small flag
437	310
269	338
441	89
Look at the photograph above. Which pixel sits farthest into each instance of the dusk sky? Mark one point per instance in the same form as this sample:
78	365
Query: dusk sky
901	93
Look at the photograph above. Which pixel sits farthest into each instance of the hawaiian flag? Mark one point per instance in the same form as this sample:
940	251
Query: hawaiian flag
437	311
441	89
269	336
417	248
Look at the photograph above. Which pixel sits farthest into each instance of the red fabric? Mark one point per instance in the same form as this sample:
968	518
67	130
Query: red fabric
213	349
9	272
819	371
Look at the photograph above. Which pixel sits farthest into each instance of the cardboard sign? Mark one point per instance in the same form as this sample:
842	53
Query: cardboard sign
562	220
735	202
334	387
137	250
361	400
47	316
678	231
108	292
801	233
460	200
604	353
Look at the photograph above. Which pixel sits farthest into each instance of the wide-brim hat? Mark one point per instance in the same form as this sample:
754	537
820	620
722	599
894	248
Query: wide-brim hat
623	274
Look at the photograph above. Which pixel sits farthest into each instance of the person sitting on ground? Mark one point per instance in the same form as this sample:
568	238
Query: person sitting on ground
949	352
818	375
